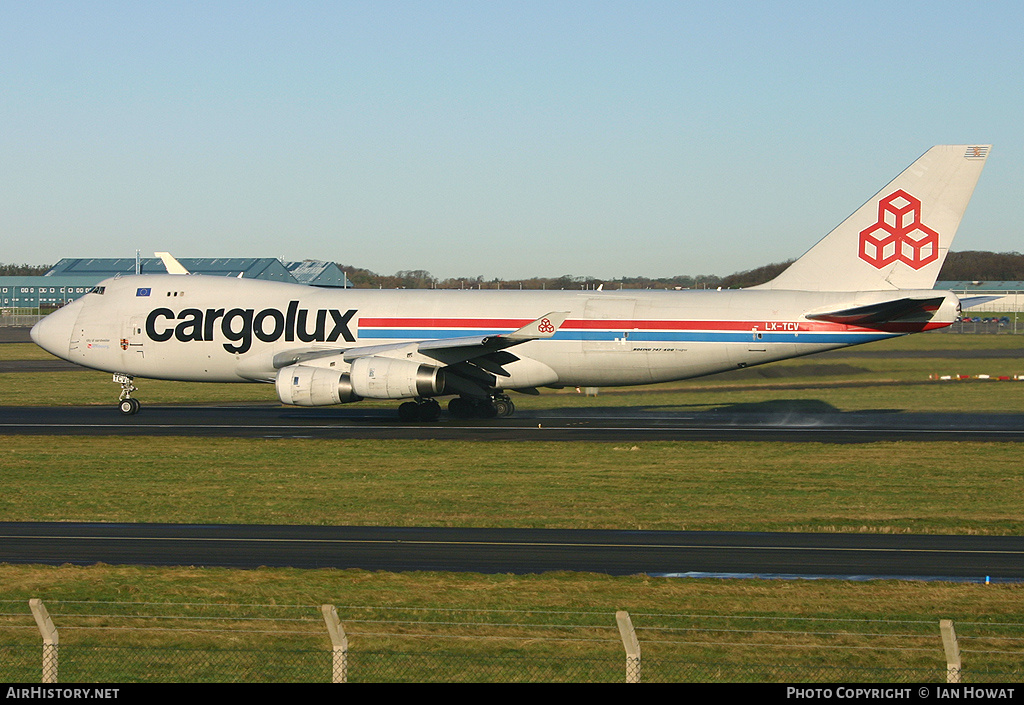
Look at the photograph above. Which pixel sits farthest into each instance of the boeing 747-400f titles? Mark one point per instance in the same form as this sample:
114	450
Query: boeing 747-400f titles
868	279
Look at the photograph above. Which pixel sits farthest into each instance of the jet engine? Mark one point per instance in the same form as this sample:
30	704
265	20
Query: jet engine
368	378
391	378
305	385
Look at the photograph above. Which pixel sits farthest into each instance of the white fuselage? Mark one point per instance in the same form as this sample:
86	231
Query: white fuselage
230	330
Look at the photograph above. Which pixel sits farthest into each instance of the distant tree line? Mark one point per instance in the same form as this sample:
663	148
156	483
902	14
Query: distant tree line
983	266
421	279
959	266
23	270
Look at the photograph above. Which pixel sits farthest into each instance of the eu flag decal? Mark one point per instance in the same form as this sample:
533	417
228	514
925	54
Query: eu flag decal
143	292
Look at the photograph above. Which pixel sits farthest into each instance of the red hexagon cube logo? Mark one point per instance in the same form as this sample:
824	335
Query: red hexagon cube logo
899	235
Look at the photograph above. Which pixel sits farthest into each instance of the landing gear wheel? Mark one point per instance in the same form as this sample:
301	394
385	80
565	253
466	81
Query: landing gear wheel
129	406
485	410
468	408
504	407
420	410
461	408
429	410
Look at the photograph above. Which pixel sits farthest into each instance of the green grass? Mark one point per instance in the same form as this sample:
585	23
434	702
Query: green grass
879	487
966	488
946	340
901	385
689	629
88	387
23	351
858	384
883	487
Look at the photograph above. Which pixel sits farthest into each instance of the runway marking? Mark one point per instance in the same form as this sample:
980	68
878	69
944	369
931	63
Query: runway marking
543	544
648	429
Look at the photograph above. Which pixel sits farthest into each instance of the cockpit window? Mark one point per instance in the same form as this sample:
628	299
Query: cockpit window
97	290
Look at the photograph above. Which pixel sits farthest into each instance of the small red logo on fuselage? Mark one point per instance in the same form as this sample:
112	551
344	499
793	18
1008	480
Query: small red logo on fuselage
899	234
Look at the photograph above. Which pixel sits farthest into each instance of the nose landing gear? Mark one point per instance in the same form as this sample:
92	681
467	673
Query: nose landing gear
126	404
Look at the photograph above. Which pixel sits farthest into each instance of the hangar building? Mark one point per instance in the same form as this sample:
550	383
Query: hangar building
70	278
1009	295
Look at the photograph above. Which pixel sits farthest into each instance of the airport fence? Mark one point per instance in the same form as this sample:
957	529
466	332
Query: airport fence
14	319
115	642
981	324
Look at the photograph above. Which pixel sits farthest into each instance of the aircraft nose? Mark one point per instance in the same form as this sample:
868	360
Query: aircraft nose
53	333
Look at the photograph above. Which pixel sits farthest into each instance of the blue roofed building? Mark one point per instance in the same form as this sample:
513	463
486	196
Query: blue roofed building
318	273
1002	295
104	267
73	277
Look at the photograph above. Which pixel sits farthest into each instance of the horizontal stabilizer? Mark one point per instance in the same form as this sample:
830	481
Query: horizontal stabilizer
972	301
882	312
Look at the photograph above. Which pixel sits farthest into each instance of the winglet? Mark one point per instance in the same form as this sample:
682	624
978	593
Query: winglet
172	265
544	327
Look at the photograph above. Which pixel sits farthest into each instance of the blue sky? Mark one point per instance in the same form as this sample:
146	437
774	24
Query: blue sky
499	139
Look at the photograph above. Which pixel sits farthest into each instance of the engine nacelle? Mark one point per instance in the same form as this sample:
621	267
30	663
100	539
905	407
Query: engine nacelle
304	385
391	378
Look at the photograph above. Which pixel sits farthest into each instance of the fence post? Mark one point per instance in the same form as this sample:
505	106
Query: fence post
952	648
632	646
339	642
50	639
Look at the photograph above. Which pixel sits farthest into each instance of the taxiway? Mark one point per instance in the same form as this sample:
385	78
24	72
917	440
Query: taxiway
661	553
793	421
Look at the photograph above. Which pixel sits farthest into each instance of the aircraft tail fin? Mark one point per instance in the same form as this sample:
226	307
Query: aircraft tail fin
899	238
173	266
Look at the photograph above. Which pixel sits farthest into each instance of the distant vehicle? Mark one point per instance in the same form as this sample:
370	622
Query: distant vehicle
869	279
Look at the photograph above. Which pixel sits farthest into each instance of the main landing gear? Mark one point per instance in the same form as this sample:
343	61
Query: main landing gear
496	406
420	410
126	403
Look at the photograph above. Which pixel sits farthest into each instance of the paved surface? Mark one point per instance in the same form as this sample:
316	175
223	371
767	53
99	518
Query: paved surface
670	553
37	366
15	334
773	421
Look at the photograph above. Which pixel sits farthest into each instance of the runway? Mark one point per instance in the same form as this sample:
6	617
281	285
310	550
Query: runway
796	421
521	551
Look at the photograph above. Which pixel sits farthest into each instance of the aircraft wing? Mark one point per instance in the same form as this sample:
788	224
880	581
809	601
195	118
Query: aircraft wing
445	351
881	312
449	351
